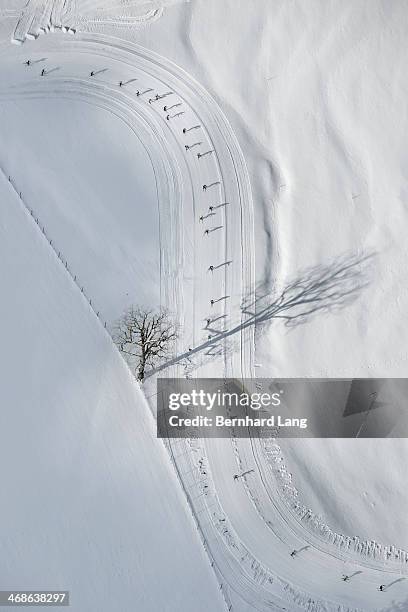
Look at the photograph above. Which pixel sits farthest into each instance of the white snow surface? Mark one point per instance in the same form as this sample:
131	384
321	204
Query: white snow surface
94	189
89	502
316	96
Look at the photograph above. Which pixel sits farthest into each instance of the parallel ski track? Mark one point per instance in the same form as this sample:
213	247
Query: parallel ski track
233	563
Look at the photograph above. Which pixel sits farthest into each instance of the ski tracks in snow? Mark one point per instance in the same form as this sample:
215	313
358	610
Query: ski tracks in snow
204	468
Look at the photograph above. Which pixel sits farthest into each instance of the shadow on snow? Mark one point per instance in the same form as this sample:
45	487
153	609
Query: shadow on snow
316	291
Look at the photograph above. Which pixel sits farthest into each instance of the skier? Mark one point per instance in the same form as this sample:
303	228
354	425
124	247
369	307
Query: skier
211	268
186	147
204	187
345	578
184	130
198	155
381	587
207	231
165	108
293	554
150	100
43	72
120	83
138	93
92	73
27	63
236	476
208	322
168	117
201	218
211	208
212	302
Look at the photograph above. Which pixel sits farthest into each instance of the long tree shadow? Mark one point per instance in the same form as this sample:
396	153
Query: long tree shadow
315	291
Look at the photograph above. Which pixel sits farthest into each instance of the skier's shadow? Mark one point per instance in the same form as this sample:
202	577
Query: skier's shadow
387	586
100	71
304	548
47	72
355	574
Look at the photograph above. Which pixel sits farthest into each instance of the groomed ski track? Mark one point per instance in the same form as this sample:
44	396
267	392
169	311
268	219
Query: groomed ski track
246	527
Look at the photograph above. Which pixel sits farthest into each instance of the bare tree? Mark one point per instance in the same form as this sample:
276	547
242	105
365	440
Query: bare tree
144	336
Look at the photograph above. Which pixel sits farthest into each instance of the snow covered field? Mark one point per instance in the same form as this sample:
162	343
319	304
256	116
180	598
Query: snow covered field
90	502
316	96
113	249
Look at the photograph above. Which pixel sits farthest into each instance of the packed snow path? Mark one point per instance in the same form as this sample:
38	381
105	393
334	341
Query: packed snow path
247	536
